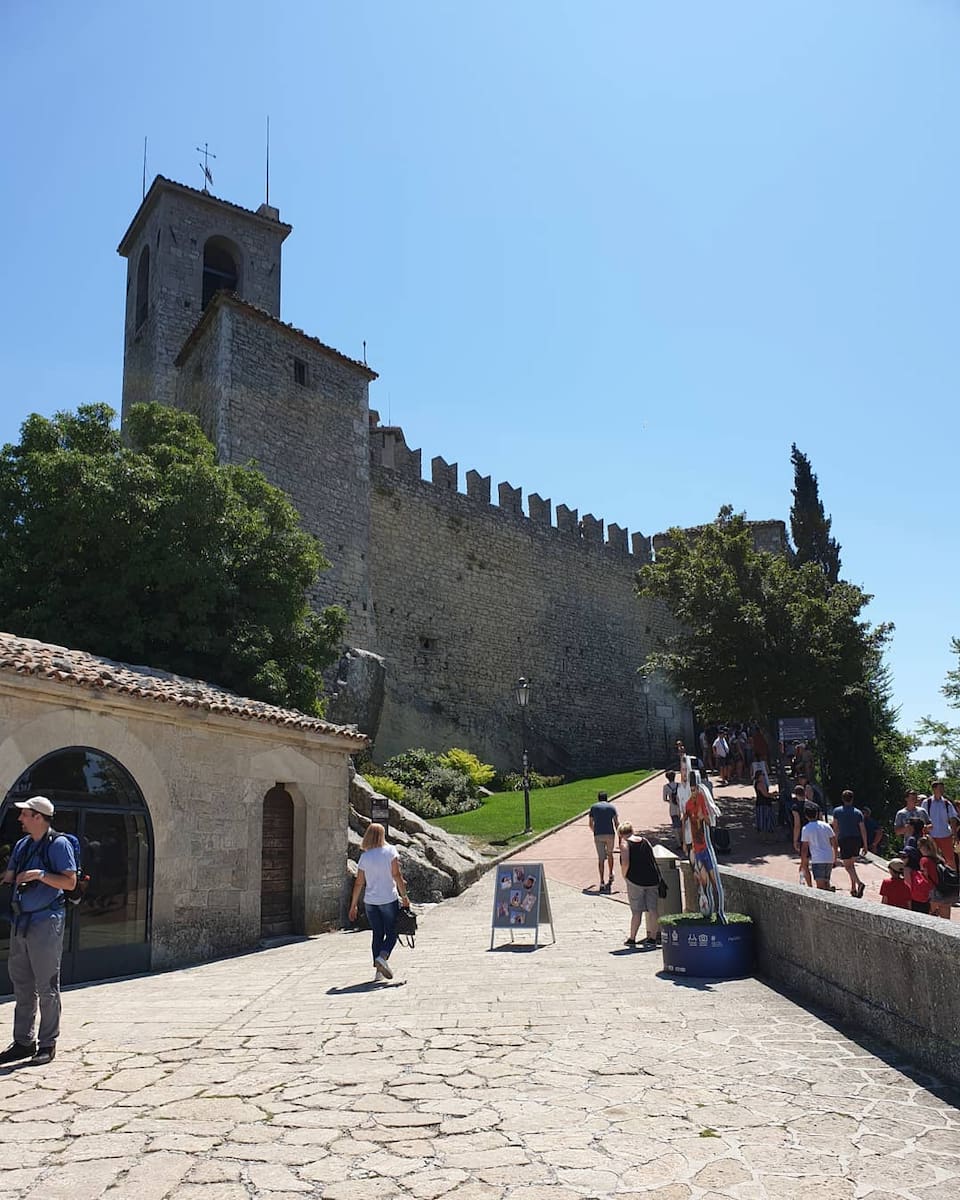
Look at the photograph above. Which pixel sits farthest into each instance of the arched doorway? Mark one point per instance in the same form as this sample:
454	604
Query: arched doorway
98	800
276	871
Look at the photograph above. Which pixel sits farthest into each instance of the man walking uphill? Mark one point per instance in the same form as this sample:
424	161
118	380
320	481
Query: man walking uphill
604	822
851	831
41	867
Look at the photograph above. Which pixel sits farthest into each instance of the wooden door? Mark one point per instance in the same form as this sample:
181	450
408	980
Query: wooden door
276	878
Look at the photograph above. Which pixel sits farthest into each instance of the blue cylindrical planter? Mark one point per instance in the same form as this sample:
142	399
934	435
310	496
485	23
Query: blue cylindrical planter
709	951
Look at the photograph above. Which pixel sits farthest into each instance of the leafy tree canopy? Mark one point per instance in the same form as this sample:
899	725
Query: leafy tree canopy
761	636
809	527
153	553
758	635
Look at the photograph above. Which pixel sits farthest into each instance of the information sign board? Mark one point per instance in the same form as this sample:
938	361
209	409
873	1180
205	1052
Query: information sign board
791	730
520	900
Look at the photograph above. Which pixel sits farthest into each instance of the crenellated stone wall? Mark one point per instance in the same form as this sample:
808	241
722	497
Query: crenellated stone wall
470	595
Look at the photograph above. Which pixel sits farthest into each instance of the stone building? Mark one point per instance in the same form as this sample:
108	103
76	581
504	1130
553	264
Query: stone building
450	597
210	821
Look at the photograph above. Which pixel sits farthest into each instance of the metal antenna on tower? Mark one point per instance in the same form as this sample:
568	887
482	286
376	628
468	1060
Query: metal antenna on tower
205	167
268	161
144	188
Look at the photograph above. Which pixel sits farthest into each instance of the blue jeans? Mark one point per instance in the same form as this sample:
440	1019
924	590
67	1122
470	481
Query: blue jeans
383	924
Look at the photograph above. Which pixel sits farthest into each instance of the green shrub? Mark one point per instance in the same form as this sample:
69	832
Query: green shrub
513	782
423	804
387	787
410	768
479	773
689	918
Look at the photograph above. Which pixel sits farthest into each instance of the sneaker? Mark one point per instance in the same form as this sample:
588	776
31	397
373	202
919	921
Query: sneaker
44	1055
383	967
18	1050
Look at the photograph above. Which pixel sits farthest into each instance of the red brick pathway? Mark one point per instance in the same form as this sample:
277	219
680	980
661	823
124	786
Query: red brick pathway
569	857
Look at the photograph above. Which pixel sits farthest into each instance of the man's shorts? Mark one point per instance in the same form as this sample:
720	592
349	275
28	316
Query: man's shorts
821	871
604	844
850	847
642	899
702	859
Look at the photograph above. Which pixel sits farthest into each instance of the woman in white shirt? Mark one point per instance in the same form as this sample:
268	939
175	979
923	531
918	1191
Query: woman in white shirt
379	872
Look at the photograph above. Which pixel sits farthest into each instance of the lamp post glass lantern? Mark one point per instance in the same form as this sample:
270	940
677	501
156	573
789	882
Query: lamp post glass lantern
521	694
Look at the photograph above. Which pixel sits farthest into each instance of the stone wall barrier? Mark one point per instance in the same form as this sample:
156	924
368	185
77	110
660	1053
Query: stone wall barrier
891	972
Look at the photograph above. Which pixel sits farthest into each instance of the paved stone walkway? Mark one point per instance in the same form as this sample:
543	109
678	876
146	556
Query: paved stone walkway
569	856
566	1072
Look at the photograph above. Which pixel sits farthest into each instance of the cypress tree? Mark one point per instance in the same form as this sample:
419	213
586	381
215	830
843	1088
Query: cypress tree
809	527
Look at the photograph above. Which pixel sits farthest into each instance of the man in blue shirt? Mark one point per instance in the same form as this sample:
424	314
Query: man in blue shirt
41	867
851	831
604	822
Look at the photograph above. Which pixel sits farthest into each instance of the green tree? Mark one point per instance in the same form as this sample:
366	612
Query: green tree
809	527
944	735
153	553
759	636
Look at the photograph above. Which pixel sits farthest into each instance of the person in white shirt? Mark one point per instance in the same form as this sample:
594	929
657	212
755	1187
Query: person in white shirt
818	849
380	879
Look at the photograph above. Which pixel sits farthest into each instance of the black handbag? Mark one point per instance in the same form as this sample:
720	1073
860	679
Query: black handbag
407	927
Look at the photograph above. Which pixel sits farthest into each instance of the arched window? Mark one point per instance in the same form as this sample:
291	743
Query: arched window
98	801
220	270
143	288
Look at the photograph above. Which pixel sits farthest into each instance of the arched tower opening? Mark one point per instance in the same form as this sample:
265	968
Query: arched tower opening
221	268
143	288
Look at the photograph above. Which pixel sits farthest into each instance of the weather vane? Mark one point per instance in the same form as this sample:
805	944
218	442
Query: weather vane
205	166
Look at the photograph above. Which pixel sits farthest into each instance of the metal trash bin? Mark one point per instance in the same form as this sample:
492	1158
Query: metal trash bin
669	865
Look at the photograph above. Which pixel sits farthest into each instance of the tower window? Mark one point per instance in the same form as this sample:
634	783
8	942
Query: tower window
300	372
143	288
220	271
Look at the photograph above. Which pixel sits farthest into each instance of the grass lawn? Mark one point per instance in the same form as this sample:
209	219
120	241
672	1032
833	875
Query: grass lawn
499	820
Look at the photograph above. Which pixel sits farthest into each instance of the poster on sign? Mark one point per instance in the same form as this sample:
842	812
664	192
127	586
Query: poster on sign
520	901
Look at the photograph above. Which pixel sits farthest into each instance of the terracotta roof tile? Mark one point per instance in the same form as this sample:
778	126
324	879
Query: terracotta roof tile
24	656
223	297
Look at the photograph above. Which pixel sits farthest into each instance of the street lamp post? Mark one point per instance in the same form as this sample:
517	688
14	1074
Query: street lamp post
645	686
521	692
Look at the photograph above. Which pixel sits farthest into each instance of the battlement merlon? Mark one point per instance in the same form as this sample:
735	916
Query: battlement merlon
388	448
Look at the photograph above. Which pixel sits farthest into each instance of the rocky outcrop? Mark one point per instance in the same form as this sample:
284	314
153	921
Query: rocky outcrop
435	864
356	697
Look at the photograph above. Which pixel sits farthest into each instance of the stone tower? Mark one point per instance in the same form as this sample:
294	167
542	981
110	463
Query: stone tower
182	246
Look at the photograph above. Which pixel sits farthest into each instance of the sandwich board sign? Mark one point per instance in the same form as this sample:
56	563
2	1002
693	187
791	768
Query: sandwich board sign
520	900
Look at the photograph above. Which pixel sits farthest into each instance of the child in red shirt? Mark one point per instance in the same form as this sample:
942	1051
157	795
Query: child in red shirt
895	890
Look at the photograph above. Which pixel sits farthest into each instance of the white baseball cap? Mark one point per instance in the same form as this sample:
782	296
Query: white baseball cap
39	804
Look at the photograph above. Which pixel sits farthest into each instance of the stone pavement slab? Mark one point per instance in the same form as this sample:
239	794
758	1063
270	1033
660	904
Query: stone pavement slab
569	1071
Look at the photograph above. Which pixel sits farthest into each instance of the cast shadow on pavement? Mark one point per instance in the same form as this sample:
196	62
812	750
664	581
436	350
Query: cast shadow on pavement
371	985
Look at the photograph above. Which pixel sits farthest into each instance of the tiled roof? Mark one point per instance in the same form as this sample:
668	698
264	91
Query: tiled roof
223	297
160	182
23	656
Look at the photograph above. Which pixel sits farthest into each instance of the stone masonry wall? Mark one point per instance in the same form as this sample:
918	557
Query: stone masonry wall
470	596
176	227
309	439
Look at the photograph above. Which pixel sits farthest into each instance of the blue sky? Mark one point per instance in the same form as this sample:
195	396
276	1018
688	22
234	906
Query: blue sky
619	254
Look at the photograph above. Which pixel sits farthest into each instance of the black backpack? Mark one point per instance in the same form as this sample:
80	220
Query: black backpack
721	840
948	881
